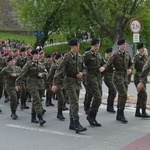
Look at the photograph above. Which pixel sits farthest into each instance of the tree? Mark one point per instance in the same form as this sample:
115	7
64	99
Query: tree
113	16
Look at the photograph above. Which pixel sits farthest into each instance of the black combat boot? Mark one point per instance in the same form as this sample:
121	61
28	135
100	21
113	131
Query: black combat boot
43	111
6	99
120	116
64	106
144	114
71	126
25	106
41	120
86	108
60	114
13	115
33	118
97	124
91	119
110	107
47	98
78	127
137	113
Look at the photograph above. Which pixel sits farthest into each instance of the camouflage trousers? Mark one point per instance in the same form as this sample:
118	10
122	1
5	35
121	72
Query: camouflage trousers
141	96
88	96
121	88
111	90
36	101
95	92
60	93
73	96
14	98
23	93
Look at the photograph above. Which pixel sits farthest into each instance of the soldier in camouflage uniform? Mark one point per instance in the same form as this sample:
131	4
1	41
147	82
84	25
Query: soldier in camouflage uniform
11	72
35	73
121	61
139	61
108	76
93	61
88	95
71	67
60	88
48	63
2	65
21	61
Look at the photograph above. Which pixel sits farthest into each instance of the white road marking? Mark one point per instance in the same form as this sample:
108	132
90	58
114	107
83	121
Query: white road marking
49	131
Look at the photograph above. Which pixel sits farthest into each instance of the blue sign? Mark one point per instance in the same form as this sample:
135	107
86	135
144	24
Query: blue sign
39	34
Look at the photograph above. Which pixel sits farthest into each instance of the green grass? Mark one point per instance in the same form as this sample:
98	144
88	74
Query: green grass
65	48
28	39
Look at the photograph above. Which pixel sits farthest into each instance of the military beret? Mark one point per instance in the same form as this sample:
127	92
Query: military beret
41	52
94	41
5	54
23	49
108	50
58	56
140	45
73	42
54	54
34	52
48	56
10	58
122	41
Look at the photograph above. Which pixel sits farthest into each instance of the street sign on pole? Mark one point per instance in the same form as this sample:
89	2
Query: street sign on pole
136	37
39	34
135	25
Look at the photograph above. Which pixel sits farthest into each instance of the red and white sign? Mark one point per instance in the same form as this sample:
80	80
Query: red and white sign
135	25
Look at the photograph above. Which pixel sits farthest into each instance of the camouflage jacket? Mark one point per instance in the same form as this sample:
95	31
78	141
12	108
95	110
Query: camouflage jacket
110	69
51	73
138	63
48	66
121	63
9	80
70	67
21	61
31	70
145	71
92	63
2	65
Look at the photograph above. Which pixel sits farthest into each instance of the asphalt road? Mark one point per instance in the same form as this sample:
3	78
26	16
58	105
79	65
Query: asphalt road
21	134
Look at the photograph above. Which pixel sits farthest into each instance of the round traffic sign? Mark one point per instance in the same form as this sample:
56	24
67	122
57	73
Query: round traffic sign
135	25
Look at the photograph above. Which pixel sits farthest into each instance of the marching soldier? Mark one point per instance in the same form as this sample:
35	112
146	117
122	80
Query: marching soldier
2	65
48	64
11	72
71	67
121	61
93	61
139	61
108	76
35	73
21	61
60	88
